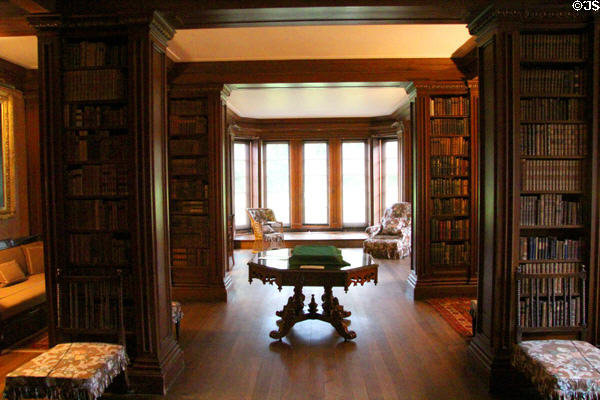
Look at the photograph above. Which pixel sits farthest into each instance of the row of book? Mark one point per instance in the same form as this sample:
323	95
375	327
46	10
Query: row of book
449	165
555	81
94	85
449	106
105	117
550	46
195	125
85	145
447	253
544	313
554	140
188	256
98	249
185	240
458	146
188	107
550	268
549	209
97	180
549	286
188	224
97	214
189	166
190	206
551	175
450	229
188	147
450	186
552	109
89	313
185	189
94	54
550	248
447	127
455	206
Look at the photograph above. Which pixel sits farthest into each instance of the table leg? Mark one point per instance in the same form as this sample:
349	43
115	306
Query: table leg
290	314
335	314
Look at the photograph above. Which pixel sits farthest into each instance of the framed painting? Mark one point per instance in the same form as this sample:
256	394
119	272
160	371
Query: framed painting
7	165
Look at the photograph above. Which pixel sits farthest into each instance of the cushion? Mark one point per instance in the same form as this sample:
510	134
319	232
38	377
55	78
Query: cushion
317	255
14	253
21	297
267	228
34	255
565	369
69	371
11	273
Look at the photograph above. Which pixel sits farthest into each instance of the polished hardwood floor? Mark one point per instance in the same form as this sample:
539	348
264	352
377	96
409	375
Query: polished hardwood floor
404	349
332	238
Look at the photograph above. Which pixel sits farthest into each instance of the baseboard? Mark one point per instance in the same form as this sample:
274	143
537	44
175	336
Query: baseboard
152	376
200	292
420	289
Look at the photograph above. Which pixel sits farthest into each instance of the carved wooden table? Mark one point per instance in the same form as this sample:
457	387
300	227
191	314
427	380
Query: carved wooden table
272	267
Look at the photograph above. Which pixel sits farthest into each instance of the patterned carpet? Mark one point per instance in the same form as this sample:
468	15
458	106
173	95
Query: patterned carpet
455	310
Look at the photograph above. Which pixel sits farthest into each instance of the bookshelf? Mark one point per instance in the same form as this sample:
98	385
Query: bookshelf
96	144
553	191
450	184
444	194
188	181
103	140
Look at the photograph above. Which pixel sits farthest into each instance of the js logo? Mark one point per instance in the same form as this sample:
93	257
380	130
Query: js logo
586	5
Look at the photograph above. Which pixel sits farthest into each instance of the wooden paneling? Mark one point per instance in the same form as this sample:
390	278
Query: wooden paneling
363	70
32	122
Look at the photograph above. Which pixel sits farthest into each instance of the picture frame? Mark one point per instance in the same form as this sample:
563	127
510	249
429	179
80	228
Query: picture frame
7	156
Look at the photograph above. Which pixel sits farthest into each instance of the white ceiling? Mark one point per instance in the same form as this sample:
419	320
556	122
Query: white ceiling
317	42
20	50
326	101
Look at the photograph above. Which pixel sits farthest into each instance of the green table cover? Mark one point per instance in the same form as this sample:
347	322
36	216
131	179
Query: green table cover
328	256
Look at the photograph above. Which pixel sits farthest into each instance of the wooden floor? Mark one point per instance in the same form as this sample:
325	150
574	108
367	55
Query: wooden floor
404	350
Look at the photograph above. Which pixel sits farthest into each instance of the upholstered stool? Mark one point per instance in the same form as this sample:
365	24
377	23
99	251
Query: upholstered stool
560	369
77	371
176	316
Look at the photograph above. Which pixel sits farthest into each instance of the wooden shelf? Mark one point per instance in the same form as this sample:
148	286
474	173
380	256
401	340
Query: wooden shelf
448	196
97	102
535	227
95	128
449	240
182	136
549	261
532	192
96	197
449	136
181	156
448	116
108	266
450	176
450	216
90	162
557	122
552	329
454	265
554	61
95	68
76	230
546	95
189	213
527	157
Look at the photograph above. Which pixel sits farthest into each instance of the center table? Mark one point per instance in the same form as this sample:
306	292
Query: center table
272	266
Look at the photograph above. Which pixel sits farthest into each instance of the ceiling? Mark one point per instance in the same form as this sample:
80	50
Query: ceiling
317	100
317	42
288	43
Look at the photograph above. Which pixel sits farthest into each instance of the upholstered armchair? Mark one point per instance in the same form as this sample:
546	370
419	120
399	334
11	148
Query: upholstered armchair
268	233
391	239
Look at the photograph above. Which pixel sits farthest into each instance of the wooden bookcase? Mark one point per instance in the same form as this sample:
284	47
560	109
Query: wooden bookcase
444	199
104	152
554	126
188	181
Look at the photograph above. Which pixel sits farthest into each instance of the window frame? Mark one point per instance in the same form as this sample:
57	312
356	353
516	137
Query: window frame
383	174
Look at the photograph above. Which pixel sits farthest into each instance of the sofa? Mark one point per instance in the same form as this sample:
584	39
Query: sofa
391	239
23	309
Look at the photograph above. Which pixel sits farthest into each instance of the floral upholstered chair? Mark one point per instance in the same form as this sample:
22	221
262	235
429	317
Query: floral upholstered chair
392	238
268	233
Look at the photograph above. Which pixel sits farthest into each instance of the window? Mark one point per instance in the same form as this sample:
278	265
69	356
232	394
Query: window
277	177
390	172
316	187
241	151
353	184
